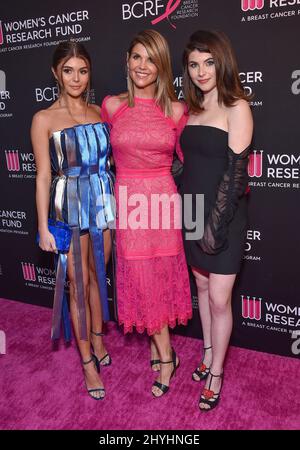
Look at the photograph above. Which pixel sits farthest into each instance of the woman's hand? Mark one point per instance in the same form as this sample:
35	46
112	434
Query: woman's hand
47	242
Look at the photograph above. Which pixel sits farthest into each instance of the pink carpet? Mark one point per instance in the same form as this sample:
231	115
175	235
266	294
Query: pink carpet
42	388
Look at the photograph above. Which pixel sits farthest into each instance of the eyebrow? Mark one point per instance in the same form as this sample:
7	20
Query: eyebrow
70	67
138	54
207	59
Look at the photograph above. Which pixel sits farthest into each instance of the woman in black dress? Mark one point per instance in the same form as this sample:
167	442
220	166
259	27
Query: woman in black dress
216	144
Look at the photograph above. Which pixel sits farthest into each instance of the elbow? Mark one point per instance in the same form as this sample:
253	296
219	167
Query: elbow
43	180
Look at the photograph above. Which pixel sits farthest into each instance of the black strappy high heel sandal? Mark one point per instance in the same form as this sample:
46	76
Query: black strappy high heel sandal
209	397
163	387
100	390
202	371
106	360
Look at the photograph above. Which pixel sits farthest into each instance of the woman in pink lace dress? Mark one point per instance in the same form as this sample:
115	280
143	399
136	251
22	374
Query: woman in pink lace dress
152	279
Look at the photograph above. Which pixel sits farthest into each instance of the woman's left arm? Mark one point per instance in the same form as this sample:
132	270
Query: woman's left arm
240	127
180	118
234	181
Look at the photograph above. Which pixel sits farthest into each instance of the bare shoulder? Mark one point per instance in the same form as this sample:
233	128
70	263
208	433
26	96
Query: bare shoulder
40	130
240	126
48	113
94	107
239	111
113	103
178	110
42	118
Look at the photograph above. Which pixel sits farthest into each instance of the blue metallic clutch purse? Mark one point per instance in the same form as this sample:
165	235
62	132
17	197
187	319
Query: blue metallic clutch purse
62	234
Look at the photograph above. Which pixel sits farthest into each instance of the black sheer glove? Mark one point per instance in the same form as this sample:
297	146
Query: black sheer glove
231	188
177	169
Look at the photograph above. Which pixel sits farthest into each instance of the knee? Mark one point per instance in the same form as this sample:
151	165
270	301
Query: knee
202	285
74	289
92	275
219	305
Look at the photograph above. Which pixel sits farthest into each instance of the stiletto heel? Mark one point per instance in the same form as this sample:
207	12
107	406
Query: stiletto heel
163	387
201	372
100	390
106	359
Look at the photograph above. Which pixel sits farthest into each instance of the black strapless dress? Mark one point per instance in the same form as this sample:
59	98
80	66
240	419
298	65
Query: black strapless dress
206	151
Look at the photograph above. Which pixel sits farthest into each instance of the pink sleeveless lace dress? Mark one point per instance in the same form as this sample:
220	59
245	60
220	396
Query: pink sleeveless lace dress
151	273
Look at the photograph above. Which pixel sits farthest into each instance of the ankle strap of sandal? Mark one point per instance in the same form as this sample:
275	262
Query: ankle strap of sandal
207	348
97	334
173	358
88	362
216	376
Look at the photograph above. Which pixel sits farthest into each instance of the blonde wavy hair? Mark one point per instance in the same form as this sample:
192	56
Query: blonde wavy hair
158	50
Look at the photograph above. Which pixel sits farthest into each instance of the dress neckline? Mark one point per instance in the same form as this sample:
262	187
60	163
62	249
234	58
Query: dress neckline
142	99
75	126
206	126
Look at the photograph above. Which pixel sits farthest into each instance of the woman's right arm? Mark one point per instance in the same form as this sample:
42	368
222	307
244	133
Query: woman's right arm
40	144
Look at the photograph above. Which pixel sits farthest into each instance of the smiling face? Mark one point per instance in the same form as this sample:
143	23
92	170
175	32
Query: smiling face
202	71
73	75
141	69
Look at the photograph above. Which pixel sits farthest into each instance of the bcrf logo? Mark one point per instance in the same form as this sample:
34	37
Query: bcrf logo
247	5
141	9
255	164
251	307
47	94
150	8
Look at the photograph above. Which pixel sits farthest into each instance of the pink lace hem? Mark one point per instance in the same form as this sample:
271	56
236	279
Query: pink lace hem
152	293
141	327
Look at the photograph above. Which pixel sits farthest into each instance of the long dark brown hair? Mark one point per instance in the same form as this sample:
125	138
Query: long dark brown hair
66	50
229	85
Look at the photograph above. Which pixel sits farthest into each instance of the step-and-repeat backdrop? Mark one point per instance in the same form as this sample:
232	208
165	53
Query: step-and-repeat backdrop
266	37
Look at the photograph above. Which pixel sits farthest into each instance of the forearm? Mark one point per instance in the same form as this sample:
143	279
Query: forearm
231	188
42	201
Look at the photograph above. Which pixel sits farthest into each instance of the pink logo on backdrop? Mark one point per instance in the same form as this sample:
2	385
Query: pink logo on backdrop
28	271
170	8
252	4
255	164
251	307
12	160
1	34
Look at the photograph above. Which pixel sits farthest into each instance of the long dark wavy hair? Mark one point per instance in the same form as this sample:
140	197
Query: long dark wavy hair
229	85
